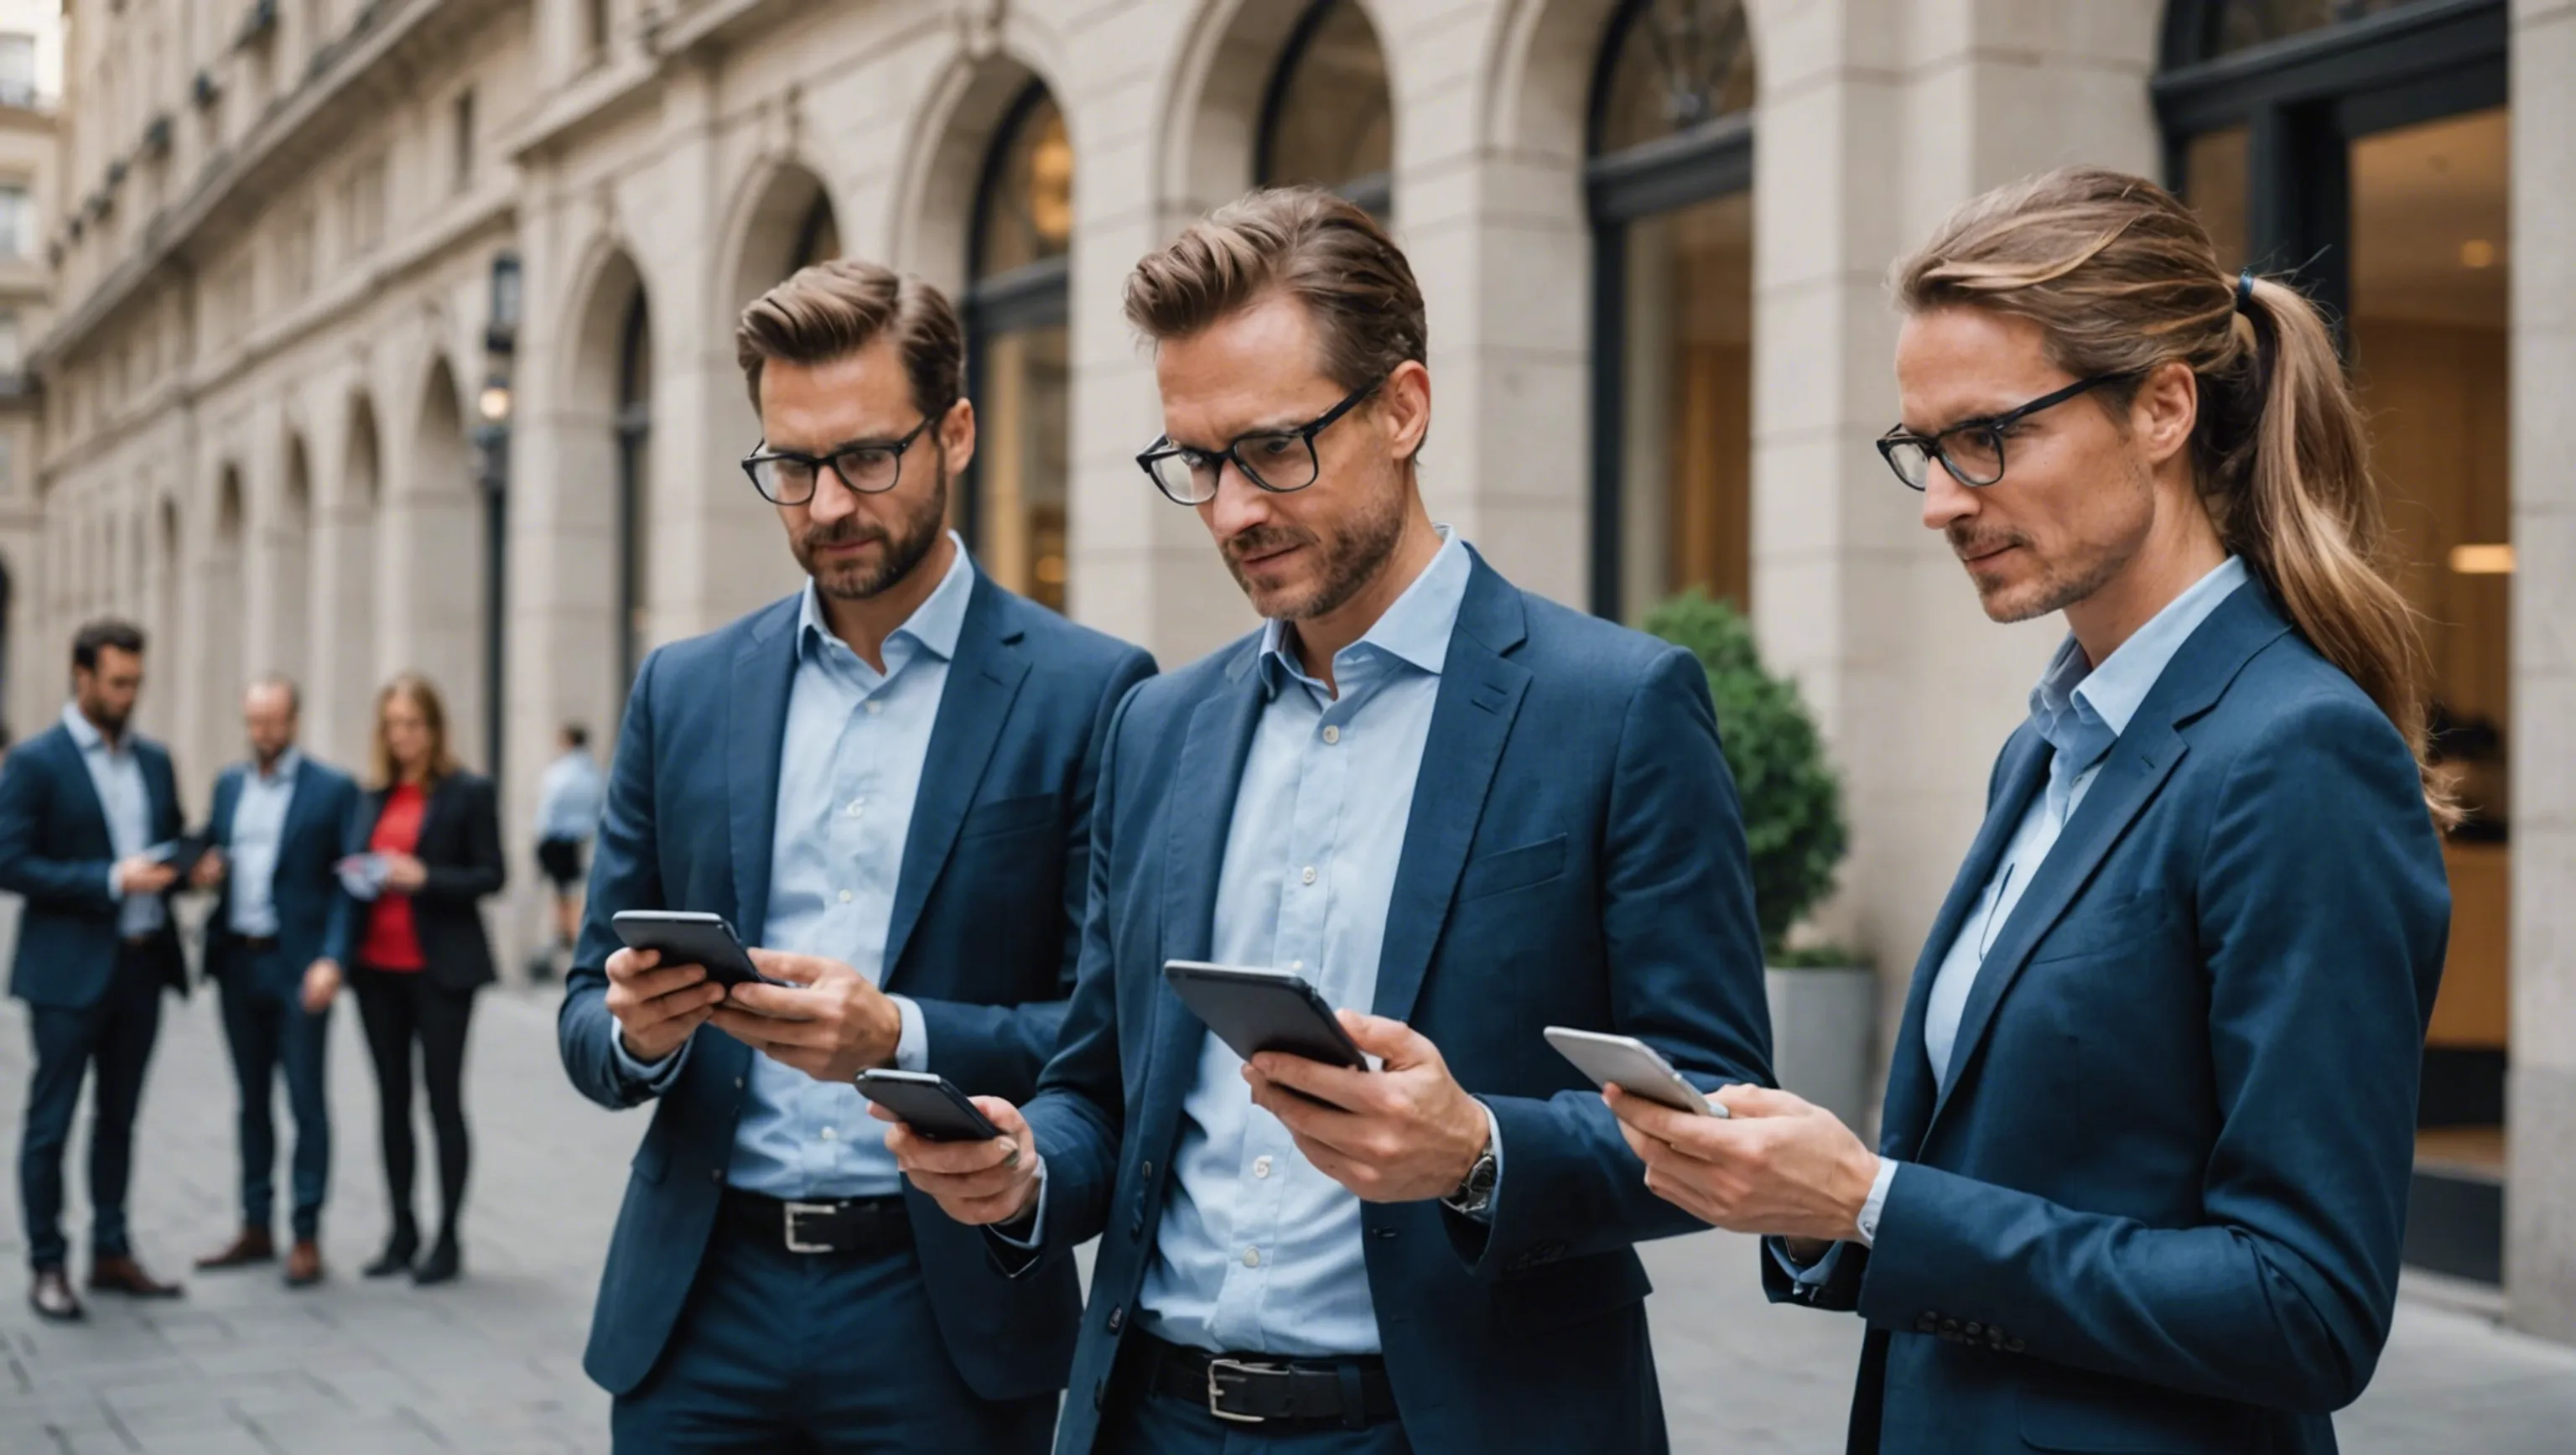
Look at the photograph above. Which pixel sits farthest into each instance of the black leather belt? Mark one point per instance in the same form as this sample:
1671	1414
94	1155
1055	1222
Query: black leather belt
848	1225
1263	1389
257	944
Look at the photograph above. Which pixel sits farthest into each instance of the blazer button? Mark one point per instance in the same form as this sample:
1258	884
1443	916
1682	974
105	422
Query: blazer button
715	1174
1149	1170
1118	1318
2012	1346
1099	1393
1973	1329
1136	1226
1927	1324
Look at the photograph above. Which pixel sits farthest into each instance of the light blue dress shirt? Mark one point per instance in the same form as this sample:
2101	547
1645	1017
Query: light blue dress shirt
569	796
1258	1250
849	769
259	830
2080	711
118	776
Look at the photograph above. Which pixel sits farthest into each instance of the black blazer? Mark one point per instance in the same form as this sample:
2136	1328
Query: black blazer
460	846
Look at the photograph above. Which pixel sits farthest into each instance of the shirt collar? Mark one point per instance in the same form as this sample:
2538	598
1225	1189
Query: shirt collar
85	734
1415	629
2110	695
284	769
935	625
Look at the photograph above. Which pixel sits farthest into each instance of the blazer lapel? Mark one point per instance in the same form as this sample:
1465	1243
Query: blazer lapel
983	680
1471	719
1212	759
84	791
1910	1084
764	672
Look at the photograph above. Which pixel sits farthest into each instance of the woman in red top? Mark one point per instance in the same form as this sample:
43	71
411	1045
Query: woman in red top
427	836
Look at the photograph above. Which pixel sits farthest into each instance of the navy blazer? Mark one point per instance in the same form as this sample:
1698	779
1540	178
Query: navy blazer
986	922
55	850
305	889
1575	857
2160	1205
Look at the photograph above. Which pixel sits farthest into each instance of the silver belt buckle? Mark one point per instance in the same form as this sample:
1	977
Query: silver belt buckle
799	1245
1216	1387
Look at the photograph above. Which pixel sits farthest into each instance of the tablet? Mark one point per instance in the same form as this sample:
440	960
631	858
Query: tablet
1263	1010
1634	1067
686	937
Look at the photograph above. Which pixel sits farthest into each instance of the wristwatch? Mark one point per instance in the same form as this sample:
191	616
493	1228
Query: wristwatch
1475	1196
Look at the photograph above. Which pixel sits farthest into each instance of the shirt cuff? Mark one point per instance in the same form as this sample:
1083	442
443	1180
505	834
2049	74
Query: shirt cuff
912	1044
1032	1236
1876	1202
115	891
653	1076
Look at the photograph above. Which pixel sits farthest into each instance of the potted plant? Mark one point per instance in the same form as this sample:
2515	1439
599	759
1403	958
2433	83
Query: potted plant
1823	1000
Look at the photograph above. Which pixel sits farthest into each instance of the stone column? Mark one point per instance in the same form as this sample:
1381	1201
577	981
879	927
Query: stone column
2540	1221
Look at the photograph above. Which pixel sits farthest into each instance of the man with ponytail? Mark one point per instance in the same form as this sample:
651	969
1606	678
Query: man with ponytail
2142	1175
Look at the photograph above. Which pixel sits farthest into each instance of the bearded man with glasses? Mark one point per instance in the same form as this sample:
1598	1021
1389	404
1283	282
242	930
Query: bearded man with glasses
1461	813
886	781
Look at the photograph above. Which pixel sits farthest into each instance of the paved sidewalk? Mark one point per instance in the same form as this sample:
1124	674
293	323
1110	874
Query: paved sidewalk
492	1364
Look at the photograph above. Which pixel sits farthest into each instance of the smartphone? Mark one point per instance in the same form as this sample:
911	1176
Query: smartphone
181	853
928	1104
687	937
1634	1067
1263	1010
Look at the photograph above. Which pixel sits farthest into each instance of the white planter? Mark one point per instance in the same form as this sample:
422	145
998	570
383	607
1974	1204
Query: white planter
1824	1039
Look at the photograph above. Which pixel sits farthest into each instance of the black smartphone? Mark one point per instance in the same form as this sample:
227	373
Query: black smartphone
928	1104
181	853
1263	1010
687	937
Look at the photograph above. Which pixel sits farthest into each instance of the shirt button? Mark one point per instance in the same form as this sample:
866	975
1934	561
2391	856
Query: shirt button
1251	1257
1307	874
831	1134
1297	965
875	707
845	896
1332	735
855	805
1260	1166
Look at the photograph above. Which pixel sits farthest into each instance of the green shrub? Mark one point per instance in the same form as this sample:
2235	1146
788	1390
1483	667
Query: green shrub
1793	817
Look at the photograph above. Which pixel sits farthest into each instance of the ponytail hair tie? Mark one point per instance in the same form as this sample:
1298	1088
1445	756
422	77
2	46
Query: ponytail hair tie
2245	292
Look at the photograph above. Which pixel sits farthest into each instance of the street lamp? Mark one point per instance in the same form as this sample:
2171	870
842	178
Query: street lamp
492	441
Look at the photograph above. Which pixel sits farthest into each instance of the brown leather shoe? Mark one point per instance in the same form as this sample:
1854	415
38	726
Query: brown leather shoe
255	1245
125	1276
51	1298
304	1264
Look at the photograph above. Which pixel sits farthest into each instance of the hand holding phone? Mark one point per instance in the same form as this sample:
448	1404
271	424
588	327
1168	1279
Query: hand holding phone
1634	1067
687	937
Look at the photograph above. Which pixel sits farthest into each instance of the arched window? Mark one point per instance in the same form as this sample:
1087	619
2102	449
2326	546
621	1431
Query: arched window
1669	186
634	426
1018	352
818	237
1328	119
2362	149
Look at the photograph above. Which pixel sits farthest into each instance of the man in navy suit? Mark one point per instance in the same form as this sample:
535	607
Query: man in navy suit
89	819
274	839
886	781
2141	1178
1439	799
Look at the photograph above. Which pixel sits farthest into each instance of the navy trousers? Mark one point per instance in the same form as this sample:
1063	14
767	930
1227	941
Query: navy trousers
780	1353
270	1031
1143	1422
116	1034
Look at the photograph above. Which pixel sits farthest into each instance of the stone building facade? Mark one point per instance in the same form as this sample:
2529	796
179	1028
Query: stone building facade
396	333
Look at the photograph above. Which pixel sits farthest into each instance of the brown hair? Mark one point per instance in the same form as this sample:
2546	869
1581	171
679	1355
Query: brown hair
423	697
833	309
2122	278
1317	248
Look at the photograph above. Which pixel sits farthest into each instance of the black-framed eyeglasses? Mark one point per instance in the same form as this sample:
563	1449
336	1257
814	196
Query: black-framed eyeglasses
1973	449
787	477
1281	461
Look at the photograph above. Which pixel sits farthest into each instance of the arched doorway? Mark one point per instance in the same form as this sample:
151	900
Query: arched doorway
1018	351
2364	151
633	427
289	587
1328	119
440	556
1669	188
346	664
217	640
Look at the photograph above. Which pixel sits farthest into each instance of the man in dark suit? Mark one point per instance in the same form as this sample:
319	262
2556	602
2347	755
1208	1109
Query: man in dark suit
886	781
1471	811
2141	1179
273	841
89	819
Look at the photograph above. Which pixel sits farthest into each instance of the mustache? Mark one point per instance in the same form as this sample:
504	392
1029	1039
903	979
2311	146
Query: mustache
1261	540
847	531
1966	543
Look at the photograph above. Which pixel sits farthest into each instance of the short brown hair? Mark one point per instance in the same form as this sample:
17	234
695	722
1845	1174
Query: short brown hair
1307	243
834	309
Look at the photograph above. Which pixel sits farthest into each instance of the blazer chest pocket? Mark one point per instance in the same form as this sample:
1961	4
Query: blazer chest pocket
1509	869
1008	815
2117	926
